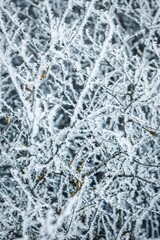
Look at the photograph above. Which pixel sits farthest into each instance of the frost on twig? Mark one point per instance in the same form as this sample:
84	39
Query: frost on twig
79	119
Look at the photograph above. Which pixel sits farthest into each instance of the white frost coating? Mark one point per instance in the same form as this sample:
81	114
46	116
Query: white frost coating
79	120
52	228
90	82
37	115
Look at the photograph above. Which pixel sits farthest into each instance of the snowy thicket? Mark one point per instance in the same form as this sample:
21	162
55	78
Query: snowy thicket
79	119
